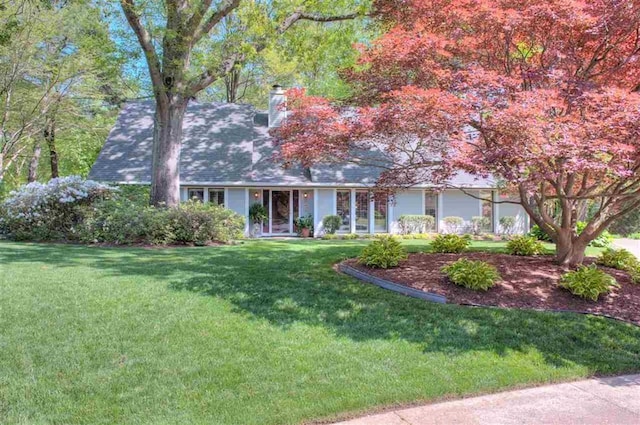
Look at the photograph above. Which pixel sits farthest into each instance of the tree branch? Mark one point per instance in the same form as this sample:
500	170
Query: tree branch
155	70
223	11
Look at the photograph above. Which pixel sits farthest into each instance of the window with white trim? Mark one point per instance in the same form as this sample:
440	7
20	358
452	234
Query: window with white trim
197	193
216	197
431	204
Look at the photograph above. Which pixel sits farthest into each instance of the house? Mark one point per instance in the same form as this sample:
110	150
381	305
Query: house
228	159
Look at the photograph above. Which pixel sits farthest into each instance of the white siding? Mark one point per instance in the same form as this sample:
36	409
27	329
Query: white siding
237	201
325	205
522	218
455	203
409	202
306	204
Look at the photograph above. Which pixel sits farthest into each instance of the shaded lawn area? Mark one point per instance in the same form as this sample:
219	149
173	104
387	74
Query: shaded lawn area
259	333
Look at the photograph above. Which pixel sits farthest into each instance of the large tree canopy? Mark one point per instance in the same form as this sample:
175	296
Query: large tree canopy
188	46
542	94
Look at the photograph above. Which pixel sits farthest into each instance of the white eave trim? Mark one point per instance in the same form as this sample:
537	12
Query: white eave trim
299	184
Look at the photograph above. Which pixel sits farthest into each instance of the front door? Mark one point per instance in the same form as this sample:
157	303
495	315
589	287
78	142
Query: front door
281	214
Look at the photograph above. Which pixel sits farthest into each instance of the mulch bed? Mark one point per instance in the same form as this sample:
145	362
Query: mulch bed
527	283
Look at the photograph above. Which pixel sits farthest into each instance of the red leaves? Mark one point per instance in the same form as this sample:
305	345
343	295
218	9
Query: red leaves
545	85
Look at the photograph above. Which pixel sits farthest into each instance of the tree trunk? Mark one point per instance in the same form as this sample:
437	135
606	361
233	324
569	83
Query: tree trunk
165	179
570	251
33	164
50	137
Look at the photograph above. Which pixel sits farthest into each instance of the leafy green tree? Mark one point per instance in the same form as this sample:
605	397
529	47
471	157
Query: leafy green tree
188	47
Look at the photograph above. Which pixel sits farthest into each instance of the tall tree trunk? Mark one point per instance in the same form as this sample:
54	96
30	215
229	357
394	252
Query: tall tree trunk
570	250
165	183
33	164
50	138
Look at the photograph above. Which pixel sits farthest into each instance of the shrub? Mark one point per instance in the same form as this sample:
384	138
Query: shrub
350	236
524	245
539	234
620	259
588	282
304	222
331	223
601	241
508	224
628	224
479	224
635	236
384	253
199	223
416	223
329	236
51	211
449	244
453	224
258	213
476	275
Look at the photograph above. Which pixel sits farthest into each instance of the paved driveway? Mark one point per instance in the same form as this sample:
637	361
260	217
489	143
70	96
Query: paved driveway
631	245
594	401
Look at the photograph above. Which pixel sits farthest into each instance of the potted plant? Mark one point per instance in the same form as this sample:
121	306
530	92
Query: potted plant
304	225
257	214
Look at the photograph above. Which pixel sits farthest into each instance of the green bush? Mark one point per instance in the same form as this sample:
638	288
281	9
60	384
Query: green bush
480	224
524	245
329	236
383	253
635	236
410	224
258	213
588	282
601	241
539	234
620	259
476	275
198	223
453	224
120	222
331	223
350	236
449	244
508	224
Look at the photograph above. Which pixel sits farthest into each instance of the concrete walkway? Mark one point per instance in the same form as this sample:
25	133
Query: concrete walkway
595	401
630	245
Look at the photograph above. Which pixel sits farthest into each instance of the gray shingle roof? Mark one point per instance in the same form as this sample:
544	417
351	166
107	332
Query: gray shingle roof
223	144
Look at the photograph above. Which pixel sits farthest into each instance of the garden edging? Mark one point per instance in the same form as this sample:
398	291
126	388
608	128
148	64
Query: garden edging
410	292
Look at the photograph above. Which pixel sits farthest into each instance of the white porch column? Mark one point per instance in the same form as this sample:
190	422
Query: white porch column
352	221
317	222
372	213
496	212
247	226
390	221
440	215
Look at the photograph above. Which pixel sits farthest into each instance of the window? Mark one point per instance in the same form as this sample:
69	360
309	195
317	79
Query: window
343	209
216	197
487	208
196	193
380	214
431	204
362	211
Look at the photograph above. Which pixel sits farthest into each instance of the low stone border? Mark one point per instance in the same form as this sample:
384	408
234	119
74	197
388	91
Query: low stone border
410	292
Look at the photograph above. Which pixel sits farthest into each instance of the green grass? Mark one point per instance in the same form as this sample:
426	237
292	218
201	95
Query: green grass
259	333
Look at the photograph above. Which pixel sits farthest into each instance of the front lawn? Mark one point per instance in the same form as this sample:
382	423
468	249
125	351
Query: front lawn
262	333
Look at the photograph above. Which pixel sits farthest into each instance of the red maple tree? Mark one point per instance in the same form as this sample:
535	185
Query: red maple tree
541	94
